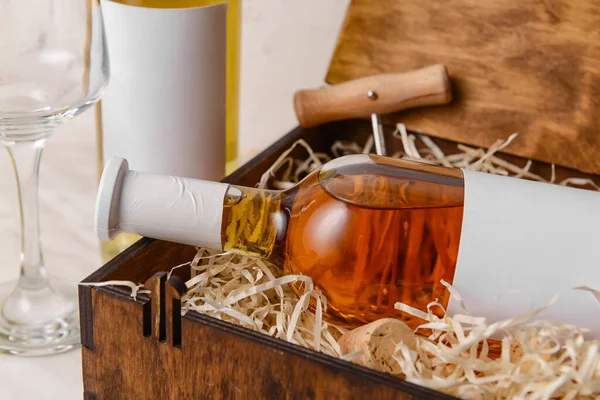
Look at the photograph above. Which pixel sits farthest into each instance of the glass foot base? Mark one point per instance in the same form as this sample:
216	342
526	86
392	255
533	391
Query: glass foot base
39	322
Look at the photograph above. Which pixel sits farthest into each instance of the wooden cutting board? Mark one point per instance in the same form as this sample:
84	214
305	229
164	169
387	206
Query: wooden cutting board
528	66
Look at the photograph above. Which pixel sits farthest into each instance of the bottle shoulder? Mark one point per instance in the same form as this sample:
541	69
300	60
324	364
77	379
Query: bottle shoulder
368	181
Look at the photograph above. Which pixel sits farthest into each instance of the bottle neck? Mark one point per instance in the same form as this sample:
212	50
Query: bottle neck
254	222
199	213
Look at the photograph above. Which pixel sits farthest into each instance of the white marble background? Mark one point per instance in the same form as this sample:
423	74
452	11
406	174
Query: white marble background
286	45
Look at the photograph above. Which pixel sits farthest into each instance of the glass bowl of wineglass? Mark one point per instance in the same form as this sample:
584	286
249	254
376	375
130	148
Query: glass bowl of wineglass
53	66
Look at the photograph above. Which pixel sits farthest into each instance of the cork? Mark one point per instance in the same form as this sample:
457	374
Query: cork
378	341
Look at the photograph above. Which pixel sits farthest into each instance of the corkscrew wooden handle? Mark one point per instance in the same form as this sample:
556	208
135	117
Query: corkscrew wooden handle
380	94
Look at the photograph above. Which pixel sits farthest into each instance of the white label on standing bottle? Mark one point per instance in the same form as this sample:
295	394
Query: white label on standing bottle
164	109
523	242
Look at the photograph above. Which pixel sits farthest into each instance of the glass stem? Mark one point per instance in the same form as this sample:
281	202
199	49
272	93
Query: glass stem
25	158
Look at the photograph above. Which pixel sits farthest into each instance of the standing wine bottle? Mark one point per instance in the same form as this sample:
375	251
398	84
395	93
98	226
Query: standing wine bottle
172	104
372	231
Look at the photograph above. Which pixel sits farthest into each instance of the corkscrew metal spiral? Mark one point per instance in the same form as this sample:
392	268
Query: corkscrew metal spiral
378	135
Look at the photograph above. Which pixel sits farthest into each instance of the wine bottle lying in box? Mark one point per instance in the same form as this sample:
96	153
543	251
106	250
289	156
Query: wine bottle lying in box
371	231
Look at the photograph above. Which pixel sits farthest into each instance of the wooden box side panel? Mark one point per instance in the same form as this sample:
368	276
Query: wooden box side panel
119	352
217	361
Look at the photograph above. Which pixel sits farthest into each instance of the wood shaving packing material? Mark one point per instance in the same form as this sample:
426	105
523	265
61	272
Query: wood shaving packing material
539	359
250	292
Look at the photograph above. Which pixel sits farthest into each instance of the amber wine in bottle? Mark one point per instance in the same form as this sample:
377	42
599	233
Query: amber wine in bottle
372	231
172	104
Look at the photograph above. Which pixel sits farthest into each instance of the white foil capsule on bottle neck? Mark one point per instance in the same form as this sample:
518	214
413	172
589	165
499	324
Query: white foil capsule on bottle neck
187	211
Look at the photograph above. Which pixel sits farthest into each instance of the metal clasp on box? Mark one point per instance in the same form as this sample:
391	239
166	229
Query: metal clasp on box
162	314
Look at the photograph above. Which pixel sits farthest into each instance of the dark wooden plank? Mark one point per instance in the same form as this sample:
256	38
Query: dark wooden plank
86	323
528	66
175	288
106	366
156	286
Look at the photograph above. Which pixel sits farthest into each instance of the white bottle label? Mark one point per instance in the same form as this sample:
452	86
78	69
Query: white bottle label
164	108
523	242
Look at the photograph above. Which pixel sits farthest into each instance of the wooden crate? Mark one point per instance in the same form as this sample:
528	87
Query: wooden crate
144	349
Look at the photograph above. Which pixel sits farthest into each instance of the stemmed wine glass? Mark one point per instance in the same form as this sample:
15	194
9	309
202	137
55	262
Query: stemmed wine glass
53	66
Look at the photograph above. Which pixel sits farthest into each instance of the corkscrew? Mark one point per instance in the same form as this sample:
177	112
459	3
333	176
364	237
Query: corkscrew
378	136
386	93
